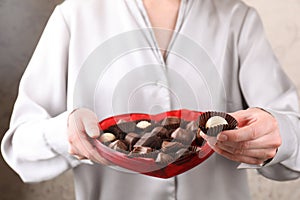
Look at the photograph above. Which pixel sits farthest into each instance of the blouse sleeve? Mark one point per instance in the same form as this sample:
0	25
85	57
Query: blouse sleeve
36	144
265	85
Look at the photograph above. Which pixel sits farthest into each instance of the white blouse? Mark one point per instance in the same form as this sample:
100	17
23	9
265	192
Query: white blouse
101	54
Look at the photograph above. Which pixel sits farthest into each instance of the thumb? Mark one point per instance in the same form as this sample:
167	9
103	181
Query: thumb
90	124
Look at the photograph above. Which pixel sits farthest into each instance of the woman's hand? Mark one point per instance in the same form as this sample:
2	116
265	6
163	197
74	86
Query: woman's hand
255	141
82	127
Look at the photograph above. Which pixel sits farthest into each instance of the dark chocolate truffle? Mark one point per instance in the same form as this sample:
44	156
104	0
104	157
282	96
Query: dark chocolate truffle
149	140
192	126
161	132
171	122
127	126
131	139
116	131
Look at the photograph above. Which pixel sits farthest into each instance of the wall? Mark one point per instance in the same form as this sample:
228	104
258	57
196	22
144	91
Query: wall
21	23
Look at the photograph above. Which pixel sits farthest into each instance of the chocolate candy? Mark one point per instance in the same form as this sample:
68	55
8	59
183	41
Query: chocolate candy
170	147
164	158
192	126
142	150
149	140
161	132
162	141
143	124
107	137
183	135
127	127
118	145
171	122
215	121
212	123
116	131
131	139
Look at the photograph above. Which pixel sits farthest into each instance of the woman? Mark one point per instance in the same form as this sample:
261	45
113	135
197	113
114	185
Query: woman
100	58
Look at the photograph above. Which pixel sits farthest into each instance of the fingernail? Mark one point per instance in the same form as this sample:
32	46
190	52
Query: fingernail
93	132
222	137
94	135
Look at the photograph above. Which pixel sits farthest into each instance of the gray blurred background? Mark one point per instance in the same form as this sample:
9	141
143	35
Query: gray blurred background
21	24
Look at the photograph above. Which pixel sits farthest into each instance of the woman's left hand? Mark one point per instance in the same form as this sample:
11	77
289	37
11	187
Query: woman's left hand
255	140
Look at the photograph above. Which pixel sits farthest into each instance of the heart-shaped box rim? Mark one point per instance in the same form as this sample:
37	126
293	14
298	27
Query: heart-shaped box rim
148	166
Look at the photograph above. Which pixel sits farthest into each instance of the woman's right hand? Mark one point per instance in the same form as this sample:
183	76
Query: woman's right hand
82	128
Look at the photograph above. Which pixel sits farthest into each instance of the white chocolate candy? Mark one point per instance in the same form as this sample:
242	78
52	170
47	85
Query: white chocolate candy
143	124
107	137
215	121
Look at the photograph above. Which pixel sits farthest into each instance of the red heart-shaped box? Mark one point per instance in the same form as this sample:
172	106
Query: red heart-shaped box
148	166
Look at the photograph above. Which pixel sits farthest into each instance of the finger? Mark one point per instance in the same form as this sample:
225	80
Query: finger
74	124
95	156
242	117
253	122
72	151
89	151
90	124
81	147
238	158
250	132
265	142
262	154
78	157
84	120
249	116
238	135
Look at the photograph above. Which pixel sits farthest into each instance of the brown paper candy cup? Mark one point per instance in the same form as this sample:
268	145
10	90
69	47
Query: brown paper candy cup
126	126
215	130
